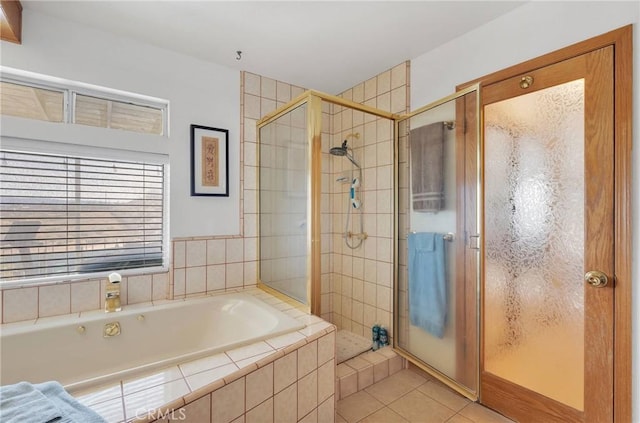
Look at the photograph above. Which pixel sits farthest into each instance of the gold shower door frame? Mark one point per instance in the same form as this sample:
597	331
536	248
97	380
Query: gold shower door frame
460	114
313	99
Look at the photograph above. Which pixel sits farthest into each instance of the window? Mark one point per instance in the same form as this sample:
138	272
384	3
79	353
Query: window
105	113
44	98
31	102
62	215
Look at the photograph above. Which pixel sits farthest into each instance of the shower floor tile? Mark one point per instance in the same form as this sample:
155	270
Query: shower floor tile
410	397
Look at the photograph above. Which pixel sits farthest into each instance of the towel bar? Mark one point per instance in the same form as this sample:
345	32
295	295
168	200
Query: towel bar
450	236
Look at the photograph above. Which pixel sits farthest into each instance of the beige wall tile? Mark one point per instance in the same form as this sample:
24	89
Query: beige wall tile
283	92
307	358
234	275
85	296
139	289
198	411
216	251
267	106
54	300
235	250
383	101
250	225
160	286
196	281
20	304
326	348
327	410
227	403
285	409
307	393
285	371
179	254
384	82
399	100
296	91
326	380
250	249
399	75
250	273
259	386
312	417
215	277
252	106
251	83
179	282
196	253
370	89
268	88
262	413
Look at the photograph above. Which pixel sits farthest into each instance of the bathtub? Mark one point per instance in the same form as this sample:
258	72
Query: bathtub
75	351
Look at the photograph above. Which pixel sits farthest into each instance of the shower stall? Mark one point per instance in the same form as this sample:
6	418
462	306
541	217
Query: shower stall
340	197
318	206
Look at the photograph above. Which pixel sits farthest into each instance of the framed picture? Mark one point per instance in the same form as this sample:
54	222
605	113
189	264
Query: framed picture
209	161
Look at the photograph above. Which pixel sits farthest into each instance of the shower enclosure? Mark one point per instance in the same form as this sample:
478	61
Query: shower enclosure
339	197
311	202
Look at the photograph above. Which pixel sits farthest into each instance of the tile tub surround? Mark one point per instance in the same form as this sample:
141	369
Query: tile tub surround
257	380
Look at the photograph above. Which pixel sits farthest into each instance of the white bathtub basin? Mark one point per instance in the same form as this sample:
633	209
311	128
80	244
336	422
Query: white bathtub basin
74	351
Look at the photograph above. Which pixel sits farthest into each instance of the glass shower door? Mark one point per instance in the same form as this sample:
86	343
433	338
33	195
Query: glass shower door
437	240
283	202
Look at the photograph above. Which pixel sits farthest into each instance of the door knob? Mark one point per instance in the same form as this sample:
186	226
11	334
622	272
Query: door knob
596	279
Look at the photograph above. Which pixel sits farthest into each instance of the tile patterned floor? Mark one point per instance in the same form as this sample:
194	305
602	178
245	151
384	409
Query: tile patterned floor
410	397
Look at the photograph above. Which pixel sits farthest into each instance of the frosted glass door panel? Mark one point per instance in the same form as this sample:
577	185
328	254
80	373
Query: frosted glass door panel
437	292
534	241
284	173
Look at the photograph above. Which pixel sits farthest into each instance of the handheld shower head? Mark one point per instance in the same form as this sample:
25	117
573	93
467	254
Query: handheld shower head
343	150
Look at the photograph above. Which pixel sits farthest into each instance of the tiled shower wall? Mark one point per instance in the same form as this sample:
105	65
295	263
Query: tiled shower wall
198	264
361	280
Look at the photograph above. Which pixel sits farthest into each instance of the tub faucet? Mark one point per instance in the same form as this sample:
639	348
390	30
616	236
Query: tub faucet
112	294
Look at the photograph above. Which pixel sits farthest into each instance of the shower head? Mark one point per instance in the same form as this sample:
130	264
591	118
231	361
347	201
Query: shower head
343	151
339	151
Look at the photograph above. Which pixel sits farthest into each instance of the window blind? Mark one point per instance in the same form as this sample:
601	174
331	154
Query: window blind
65	215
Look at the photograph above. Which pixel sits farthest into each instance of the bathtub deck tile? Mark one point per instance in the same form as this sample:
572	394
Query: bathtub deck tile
198	380
254	359
249	351
94	395
207	363
141	402
110	410
285	340
163	376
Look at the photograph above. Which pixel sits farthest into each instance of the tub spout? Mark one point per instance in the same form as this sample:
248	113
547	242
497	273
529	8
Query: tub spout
112	294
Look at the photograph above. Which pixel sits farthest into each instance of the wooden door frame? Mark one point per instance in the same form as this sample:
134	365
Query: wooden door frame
622	41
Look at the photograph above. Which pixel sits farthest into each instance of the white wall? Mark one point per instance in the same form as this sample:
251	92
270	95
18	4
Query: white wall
199	92
531	30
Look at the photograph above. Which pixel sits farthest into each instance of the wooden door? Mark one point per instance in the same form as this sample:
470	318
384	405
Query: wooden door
549	219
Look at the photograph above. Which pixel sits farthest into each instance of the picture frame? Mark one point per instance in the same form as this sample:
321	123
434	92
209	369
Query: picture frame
209	161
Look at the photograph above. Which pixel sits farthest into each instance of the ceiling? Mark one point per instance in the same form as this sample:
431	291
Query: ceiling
328	46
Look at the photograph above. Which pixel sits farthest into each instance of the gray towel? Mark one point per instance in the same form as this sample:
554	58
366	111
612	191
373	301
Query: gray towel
46	402
427	167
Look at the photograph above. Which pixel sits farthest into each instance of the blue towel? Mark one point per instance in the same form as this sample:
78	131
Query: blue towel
427	282
42	403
